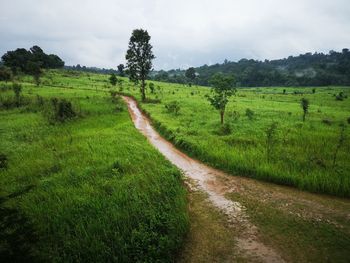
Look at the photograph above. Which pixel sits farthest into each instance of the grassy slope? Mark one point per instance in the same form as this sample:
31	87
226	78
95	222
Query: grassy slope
60	198
303	154
298	239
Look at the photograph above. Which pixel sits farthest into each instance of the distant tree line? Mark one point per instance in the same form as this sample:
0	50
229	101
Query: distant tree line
309	69
78	67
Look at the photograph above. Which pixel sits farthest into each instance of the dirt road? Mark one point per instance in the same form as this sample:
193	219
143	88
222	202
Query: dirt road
219	188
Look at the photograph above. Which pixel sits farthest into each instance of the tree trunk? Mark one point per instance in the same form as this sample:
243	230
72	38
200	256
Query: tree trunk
143	94
222	117
304	116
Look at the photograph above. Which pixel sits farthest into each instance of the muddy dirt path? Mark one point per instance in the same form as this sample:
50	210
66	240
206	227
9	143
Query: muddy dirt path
210	181
221	189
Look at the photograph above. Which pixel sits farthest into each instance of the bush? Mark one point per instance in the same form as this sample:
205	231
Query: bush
249	113
224	129
348	120
3	161
8	102
151	87
62	110
233	115
173	107
327	121
17	89
338	97
119	104
113	94
118	169
154	101
40	101
5	74
4	88
341	96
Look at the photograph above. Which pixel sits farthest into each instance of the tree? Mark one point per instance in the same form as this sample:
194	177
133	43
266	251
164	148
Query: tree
113	79
17	89
16	60
139	58
5	74
190	74
304	103
38	55
22	59
121	70
33	68
223	88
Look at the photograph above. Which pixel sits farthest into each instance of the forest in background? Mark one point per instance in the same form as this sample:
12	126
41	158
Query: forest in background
317	69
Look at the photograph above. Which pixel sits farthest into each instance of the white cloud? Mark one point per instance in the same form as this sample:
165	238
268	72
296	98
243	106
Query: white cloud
184	33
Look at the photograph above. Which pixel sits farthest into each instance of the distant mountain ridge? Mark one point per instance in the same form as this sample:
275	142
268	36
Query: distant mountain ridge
317	69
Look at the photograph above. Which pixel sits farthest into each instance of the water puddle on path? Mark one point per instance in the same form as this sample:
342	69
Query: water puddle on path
210	181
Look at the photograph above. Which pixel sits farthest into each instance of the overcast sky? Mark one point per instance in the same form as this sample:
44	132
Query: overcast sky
183	32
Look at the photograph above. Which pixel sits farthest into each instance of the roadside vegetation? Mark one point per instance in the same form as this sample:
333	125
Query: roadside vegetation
286	136
78	183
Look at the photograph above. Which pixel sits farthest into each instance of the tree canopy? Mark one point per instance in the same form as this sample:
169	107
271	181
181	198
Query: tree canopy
28	61
190	73
223	88
139	57
121	68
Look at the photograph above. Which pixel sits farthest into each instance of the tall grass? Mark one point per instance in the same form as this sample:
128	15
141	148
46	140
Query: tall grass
302	152
90	189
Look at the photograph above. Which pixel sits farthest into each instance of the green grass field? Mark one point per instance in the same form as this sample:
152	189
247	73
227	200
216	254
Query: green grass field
90	189
301	153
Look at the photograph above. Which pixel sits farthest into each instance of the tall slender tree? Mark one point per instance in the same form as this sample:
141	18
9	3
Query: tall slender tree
139	58
304	103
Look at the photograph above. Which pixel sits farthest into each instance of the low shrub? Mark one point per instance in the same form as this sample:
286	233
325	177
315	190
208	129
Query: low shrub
61	110
327	121
341	96
117	100
16	101
3	161
249	113
152	101
151	87
233	115
173	107
224	129
4	88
